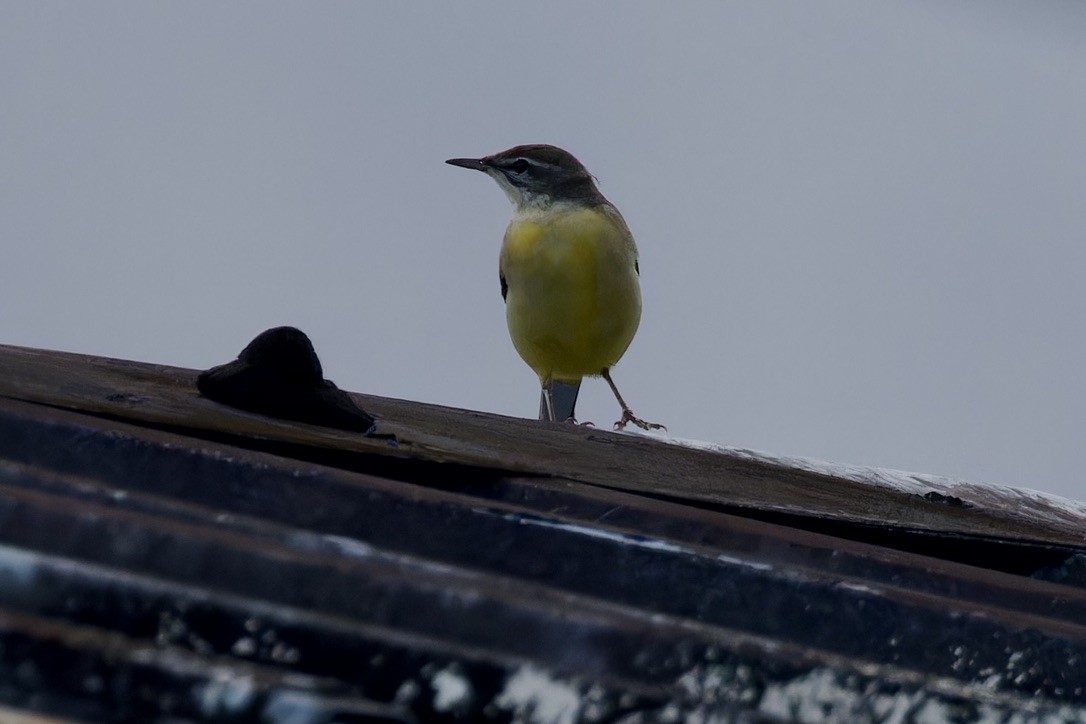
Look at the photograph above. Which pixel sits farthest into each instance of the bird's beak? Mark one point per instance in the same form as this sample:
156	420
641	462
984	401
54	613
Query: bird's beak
475	163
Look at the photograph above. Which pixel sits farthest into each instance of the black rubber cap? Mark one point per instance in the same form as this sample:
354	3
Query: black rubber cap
278	374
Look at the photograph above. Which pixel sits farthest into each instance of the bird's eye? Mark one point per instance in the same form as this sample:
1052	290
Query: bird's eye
520	166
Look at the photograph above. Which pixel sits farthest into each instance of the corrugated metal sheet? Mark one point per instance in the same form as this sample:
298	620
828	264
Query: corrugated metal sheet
163	557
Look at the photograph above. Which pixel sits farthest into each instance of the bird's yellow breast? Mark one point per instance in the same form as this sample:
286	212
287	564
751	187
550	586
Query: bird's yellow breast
573	301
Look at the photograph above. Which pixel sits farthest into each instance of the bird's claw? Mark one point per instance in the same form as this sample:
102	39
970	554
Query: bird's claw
628	417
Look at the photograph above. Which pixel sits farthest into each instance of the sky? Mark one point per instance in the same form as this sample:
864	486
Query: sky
861	225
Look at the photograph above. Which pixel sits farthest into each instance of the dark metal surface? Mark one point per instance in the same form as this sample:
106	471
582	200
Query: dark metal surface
154	574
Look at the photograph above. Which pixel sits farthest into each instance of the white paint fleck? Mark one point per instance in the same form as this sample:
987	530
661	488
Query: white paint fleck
618	537
349	546
226	693
732	560
407	693
18	567
245	646
294	707
284	654
452	690
859	588
532	695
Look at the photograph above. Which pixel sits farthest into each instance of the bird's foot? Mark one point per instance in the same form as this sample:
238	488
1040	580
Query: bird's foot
628	417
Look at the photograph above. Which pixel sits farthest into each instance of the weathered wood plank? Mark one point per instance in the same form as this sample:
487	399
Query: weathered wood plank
167	397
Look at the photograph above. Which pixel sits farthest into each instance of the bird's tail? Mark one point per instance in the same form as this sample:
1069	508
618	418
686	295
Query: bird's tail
564	398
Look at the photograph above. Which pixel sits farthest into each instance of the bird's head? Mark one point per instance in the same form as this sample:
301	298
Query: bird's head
538	175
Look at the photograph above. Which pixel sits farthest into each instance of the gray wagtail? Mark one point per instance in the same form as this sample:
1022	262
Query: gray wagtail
568	272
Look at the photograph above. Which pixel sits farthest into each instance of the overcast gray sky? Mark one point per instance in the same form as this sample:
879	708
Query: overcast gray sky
861	224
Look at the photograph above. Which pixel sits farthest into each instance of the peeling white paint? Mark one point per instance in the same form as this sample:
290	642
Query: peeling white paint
533	696
820	696
1021	502
452	690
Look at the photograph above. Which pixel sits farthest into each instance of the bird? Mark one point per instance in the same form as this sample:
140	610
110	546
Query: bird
569	275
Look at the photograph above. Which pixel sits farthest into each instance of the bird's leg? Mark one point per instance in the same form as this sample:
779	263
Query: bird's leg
557	400
547	413
627	413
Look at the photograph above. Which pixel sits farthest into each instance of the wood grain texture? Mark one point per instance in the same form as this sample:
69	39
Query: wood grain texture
166	397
